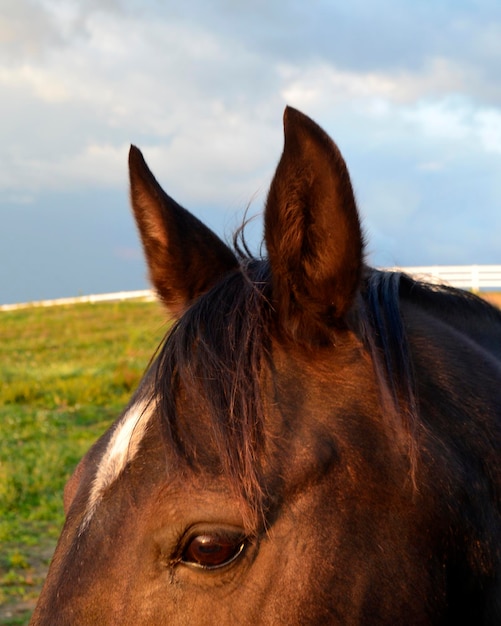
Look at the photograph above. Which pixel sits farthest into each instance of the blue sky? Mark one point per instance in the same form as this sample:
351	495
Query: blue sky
410	91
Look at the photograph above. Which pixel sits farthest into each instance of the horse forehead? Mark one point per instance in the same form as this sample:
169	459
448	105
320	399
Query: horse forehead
122	447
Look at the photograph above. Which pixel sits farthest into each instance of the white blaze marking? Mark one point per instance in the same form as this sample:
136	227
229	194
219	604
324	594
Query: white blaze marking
122	448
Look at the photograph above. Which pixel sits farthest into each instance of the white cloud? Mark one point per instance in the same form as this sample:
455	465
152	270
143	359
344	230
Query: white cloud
26	29
43	85
410	91
440	119
96	164
475	128
489	129
327	82
211	101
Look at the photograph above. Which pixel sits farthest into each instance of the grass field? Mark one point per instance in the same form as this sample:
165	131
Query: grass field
66	373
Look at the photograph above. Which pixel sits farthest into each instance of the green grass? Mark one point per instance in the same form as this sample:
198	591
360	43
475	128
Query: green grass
65	375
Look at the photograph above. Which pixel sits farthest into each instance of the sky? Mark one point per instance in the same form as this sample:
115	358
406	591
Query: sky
410	91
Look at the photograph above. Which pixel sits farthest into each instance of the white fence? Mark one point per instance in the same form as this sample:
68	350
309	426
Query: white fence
474	277
118	296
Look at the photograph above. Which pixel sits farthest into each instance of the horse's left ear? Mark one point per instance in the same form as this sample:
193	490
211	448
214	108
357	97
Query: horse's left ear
184	257
312	232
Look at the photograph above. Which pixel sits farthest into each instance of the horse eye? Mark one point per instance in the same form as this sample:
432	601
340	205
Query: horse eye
210	551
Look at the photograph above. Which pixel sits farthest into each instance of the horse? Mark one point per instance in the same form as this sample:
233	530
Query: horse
314	442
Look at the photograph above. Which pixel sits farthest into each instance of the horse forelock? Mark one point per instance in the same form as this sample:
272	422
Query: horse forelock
214	357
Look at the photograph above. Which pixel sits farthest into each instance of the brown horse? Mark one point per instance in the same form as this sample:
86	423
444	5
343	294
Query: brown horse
316	442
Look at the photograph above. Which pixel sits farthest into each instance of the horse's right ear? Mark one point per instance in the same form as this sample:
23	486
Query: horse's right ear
313	234
184	257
